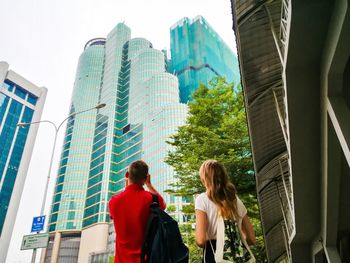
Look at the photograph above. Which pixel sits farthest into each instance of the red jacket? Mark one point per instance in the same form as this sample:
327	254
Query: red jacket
130	211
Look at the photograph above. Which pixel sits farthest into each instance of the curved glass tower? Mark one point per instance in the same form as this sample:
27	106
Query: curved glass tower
72	178
142	111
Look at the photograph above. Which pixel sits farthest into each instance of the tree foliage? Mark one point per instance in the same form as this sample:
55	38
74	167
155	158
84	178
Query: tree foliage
188	236
171	208
215	128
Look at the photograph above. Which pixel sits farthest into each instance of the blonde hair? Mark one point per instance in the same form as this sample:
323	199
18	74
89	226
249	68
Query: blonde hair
219	188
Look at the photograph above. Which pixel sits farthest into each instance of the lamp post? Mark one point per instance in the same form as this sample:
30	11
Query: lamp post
57	128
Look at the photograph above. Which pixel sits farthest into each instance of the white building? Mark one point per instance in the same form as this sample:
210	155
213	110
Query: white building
20	101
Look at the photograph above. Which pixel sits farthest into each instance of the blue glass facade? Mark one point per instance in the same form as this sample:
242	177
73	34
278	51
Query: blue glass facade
20	101
198	54
16	105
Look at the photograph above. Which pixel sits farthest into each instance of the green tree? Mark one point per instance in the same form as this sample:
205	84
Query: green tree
171	209
188	233
216	128
188	211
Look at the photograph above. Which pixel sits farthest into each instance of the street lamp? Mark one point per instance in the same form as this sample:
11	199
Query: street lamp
57	128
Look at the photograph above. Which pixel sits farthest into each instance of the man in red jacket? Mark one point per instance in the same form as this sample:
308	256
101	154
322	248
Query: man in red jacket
130	210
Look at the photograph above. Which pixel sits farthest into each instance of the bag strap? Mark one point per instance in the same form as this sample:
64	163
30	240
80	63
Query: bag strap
145	246
211	244
154	199
205	248
252	258
220	238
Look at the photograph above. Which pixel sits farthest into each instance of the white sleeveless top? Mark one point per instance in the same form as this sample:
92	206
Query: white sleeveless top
203	203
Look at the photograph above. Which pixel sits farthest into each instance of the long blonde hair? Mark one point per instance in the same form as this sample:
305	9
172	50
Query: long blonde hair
219	188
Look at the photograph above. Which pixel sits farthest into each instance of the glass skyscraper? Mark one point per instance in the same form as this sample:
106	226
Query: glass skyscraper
198	54
142	111
20	101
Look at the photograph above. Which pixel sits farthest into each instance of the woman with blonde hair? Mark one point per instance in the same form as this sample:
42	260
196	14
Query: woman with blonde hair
219	201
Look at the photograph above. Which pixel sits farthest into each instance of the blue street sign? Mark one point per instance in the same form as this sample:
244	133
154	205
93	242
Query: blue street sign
38	223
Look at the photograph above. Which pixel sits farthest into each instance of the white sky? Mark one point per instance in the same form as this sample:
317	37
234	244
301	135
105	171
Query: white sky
42	40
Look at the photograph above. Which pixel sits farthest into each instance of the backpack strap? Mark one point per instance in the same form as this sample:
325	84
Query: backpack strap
154	199
220	238
205	250
145	249
218	217
244	241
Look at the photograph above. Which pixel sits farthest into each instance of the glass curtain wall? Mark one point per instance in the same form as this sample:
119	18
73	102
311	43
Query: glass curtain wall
198	54
68	204
142	110
102	173
16	105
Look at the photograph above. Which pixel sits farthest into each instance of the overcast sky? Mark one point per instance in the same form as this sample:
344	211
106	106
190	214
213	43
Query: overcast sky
42	40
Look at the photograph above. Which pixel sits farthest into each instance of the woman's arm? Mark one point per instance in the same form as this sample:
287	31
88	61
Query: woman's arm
201	228
248	231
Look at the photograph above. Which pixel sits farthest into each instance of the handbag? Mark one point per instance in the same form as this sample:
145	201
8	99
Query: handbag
231	246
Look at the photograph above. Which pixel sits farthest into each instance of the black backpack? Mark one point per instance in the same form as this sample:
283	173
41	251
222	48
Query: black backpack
163	242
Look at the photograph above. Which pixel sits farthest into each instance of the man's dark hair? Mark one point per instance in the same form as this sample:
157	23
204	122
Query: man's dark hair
138	171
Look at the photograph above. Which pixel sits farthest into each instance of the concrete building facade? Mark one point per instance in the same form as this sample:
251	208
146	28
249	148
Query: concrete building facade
295	58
